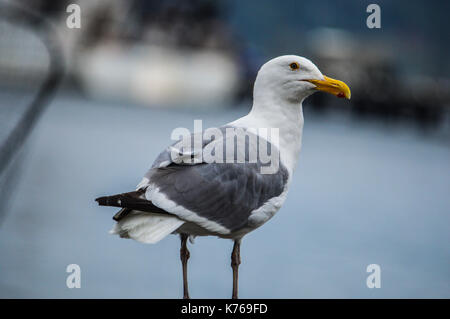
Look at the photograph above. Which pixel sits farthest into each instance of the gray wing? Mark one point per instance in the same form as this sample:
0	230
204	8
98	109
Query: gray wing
224	193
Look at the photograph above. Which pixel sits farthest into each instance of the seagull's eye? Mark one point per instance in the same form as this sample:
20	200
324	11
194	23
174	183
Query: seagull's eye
294	66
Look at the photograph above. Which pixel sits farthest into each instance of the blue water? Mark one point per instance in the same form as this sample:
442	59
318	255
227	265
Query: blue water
363	193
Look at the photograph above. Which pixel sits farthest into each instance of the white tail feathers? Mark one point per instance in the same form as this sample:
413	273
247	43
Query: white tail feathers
146	228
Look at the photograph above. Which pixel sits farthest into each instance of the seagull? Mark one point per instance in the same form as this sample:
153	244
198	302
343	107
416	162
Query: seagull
227	194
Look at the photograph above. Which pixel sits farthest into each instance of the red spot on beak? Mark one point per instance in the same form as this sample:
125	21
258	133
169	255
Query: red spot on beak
340	94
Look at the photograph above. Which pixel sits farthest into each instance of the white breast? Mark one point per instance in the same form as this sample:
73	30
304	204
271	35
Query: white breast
289	121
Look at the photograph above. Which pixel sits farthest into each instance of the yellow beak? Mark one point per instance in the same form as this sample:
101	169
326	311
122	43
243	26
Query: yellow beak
335	87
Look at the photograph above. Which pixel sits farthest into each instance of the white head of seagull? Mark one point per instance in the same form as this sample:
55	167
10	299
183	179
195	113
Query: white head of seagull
291	79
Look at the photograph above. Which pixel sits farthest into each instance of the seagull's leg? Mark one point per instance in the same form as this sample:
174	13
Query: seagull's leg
235	262
184	255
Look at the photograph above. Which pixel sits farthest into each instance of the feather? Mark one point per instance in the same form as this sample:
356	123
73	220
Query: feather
146	228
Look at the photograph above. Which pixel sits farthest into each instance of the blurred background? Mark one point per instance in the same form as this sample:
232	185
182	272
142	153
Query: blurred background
84	112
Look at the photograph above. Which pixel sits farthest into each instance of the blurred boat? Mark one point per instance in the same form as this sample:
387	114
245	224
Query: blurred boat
156	75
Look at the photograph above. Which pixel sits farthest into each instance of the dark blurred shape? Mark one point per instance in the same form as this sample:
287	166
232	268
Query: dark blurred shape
378	89
14	139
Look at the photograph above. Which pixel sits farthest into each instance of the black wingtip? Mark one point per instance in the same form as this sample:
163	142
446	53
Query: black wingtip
131	201
102	201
